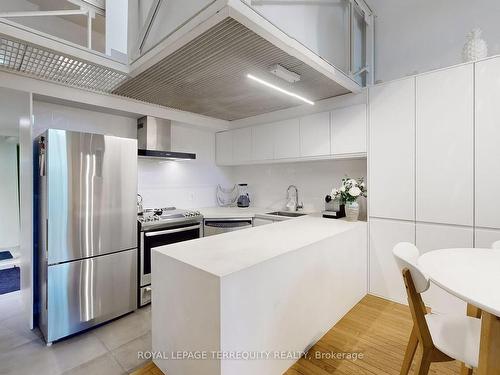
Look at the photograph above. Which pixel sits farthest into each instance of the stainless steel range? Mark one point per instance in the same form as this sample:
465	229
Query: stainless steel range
159	227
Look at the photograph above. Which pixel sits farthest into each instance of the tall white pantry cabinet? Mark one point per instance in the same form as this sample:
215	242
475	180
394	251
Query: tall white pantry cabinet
432	159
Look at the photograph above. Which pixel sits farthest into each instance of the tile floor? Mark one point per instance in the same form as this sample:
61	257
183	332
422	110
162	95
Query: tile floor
110	349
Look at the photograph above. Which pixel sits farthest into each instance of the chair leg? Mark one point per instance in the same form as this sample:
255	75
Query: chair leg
410	352
474	312
465	370
425	363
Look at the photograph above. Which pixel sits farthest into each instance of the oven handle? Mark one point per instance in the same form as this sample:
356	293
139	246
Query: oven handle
168	231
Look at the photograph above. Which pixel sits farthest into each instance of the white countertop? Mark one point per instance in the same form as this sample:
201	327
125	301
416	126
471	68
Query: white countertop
232	212
248	212
230	252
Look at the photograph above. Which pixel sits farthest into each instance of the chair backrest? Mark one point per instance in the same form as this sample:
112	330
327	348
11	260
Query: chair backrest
496	245
406	255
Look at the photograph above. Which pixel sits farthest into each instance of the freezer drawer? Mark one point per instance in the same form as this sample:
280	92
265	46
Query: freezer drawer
87	292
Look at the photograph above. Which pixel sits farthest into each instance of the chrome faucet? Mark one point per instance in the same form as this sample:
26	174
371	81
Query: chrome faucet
297	205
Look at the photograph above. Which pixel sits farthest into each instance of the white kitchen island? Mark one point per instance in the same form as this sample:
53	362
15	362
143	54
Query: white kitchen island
268	292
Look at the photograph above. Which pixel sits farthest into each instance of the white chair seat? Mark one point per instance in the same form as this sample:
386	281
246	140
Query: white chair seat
456	336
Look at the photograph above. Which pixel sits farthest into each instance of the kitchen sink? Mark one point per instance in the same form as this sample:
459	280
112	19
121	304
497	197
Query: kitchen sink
285	213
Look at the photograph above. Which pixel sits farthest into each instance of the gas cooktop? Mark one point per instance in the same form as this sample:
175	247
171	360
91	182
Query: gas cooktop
167	216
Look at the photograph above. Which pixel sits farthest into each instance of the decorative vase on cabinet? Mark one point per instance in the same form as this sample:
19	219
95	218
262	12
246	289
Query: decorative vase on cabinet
475	47
352	211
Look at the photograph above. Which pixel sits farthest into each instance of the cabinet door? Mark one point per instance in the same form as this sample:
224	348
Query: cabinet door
484	238
436	236
262	142
258	222
224	148
348	130
315	134
242	145
392	150
445	131
286	139
487	143
385	277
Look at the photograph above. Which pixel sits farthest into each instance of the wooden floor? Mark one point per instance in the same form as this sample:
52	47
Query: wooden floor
149	369
376	328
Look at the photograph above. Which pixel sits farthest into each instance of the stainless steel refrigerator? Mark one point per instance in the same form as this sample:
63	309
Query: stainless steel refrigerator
87	230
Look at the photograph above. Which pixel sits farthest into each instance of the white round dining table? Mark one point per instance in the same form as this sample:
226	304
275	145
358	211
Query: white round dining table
472	275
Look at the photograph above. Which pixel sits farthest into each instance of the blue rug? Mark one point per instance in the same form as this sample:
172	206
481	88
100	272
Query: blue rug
10	280
5	255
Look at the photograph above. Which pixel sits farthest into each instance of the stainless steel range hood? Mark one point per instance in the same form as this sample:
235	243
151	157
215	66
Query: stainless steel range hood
154	139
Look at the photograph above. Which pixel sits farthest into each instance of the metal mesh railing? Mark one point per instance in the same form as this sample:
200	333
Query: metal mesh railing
43	63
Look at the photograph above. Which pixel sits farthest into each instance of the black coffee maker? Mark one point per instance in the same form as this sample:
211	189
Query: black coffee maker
334	209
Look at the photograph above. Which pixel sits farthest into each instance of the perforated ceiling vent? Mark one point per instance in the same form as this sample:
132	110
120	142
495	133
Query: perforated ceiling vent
26	58
208	76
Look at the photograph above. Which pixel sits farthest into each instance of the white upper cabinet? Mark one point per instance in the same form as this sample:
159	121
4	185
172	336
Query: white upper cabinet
242	145
315	134
286	139
487	143
444	149
392	150
348	130
263	142
224	148
307	137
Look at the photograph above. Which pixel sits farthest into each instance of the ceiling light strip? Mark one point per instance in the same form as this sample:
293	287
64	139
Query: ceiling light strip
270	85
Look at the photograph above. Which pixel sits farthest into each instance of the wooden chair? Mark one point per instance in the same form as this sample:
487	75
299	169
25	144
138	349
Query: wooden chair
441	338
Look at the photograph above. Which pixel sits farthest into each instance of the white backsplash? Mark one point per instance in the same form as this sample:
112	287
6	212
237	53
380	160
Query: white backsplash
267	183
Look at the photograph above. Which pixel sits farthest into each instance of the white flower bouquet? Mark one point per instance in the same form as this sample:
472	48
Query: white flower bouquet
350	190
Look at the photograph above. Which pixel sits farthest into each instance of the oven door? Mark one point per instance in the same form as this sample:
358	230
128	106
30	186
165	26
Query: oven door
162	237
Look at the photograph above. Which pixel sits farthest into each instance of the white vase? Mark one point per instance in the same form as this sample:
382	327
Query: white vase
352	211
475	48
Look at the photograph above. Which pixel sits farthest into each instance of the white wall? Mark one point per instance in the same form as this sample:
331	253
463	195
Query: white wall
321	27
116	26
188	183
48	115
267	183
418	36
9	195
56	26
171	15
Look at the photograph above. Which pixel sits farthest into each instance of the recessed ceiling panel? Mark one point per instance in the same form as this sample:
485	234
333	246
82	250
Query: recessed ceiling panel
208	76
